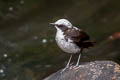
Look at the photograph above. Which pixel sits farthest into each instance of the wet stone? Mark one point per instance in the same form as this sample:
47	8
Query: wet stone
97	70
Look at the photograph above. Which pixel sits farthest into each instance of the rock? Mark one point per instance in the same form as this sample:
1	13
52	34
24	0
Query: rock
97	70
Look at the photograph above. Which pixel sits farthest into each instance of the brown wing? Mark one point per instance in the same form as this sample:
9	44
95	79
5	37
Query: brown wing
81	38
76	35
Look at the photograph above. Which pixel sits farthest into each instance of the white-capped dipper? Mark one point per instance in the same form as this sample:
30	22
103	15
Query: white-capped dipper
71	39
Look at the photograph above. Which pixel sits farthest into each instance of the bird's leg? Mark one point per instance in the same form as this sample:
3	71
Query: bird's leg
78	60
77	64
67	63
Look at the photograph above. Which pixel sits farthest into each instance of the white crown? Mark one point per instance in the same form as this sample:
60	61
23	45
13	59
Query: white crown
64	22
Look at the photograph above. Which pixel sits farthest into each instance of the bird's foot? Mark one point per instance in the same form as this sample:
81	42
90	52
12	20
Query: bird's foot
70	67
64	69
74	67
67	67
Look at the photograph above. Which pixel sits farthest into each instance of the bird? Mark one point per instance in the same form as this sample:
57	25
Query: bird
71	39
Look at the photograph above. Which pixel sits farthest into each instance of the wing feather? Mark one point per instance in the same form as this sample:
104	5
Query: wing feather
76	35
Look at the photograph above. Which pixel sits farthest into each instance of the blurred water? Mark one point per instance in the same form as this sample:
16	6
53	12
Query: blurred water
28	50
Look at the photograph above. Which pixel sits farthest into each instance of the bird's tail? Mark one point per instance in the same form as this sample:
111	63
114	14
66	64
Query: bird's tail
88	44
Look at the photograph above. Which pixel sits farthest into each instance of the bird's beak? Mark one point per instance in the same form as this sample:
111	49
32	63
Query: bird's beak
52	24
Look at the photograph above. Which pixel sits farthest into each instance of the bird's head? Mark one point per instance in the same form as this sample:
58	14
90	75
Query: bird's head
62	24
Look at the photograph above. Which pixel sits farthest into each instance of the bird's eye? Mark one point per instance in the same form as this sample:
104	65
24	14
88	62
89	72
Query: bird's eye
60	25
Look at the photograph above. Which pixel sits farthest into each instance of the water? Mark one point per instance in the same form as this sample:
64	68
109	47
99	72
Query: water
28	50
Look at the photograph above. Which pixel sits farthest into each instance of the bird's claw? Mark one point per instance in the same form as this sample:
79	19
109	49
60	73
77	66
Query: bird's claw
64	69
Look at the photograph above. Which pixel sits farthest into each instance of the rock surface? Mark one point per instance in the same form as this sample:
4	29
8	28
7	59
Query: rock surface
97	70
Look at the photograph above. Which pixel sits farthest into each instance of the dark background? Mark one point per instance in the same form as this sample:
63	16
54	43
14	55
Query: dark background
28	50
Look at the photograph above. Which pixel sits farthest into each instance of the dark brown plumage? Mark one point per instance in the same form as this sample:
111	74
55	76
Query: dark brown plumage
79	37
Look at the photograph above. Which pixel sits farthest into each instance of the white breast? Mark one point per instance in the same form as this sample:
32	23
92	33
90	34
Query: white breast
66	46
